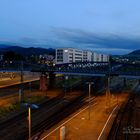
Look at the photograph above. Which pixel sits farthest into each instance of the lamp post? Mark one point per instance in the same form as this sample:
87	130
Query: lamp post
117	100
30	106
29	121
21	82
89	96
108	100
108	92
30	86
19	95
65	84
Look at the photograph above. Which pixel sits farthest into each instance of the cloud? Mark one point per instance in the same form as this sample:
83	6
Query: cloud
102	42
65	37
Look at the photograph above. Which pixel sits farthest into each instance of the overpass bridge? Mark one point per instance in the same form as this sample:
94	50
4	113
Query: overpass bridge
102	69
80	68
126	70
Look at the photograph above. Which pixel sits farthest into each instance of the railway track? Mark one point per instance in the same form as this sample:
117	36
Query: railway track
11	90
24	113
53	110
58	116
127	119
42	119
50	113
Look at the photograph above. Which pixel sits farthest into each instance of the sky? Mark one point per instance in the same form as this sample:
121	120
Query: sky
107	26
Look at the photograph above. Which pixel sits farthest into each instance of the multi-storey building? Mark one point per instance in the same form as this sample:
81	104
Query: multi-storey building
69	55
87	55
1	57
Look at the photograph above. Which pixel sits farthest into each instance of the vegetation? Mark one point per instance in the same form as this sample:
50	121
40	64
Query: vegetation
8	109
33	99
10	55
21	53
129	84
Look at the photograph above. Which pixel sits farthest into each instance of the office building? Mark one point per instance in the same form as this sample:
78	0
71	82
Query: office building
70	55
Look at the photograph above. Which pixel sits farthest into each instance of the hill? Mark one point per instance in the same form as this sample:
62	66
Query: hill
26	51
135	53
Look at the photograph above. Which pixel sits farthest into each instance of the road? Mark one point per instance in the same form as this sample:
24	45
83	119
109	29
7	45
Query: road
5	82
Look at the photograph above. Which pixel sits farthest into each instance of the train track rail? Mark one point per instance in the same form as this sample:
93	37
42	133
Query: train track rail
50	113
23	113
59	115
60	109
127	119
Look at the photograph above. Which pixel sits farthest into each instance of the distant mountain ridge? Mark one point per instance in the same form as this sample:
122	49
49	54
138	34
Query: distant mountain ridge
135	53
4	46
37	51
26	51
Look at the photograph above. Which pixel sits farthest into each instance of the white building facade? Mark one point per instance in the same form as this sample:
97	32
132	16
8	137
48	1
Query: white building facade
70	55
1	57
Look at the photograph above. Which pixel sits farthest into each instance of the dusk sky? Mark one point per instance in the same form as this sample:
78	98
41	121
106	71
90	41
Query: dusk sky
109	26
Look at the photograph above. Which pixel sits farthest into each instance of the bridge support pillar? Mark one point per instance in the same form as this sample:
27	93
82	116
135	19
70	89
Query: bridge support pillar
124	81
139	81
43	82
52	78
108	99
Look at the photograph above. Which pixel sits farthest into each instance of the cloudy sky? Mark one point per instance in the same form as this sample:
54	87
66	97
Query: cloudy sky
109	26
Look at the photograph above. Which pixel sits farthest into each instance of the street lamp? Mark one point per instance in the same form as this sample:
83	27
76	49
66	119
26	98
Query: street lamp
65	83
30	106
89	96
117	100
108	100
30	86
21	82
